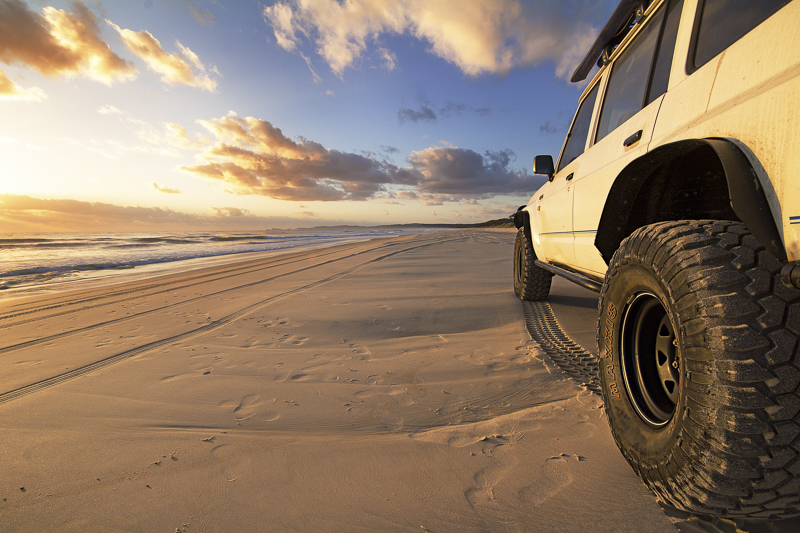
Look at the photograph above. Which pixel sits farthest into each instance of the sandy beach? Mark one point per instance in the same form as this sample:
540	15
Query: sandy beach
388	385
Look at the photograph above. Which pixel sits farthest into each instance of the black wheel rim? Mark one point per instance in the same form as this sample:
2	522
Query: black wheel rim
650	359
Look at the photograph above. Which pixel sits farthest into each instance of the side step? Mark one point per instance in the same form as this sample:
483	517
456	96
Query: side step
574	277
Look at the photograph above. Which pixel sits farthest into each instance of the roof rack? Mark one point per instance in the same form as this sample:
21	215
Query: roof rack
624	18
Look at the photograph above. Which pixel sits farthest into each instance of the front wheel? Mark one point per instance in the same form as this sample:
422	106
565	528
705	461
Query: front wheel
699	368
531	282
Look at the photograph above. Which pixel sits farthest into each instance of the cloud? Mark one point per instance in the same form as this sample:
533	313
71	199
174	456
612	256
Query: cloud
57	43
461	172
479	36
488	212
314	74
452	108
425	113
12	91
388	58
550	128
229	212
168	190
164	140
200	15
23	214
178	136
109	110
252	156
182	67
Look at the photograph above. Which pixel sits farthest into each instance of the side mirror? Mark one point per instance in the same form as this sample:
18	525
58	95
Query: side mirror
543	164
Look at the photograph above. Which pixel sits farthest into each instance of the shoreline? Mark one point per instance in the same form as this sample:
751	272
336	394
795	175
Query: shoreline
88	279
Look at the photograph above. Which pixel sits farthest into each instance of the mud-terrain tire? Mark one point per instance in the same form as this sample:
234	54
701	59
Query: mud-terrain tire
531	282
718	431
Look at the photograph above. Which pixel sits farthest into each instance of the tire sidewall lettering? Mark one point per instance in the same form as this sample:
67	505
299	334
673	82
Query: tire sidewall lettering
649	443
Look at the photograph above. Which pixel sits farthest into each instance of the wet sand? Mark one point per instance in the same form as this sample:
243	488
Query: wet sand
388	385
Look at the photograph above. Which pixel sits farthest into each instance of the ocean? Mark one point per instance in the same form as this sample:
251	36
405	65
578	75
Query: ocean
32	261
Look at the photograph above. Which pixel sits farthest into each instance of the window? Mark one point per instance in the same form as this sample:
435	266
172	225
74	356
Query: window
576	140
629	78
666	50
720	23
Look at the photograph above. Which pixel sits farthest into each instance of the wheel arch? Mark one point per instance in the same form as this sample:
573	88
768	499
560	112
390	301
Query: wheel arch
689	179
522	219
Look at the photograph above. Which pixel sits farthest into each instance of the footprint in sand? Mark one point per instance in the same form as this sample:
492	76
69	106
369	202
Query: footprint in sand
33	362
292	339
173	377
556	473
244	408
483	357
400	395
281	376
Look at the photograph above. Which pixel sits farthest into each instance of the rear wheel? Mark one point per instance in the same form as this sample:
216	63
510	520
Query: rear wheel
700	368
530	281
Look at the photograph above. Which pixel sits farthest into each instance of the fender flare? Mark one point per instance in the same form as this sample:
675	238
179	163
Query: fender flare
746	194
522	219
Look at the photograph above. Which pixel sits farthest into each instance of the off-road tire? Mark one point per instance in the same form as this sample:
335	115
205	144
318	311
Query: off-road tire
727	442
531	282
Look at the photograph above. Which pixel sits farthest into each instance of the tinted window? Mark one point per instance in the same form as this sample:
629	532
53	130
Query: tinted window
576	140
723	22
629	78
666	50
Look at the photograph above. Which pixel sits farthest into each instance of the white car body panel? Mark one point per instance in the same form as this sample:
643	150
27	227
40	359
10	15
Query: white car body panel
748	94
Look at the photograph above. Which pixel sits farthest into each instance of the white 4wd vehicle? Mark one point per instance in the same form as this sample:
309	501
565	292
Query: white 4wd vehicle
676	198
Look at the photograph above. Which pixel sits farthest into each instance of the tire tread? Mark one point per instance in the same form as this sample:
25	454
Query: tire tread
739	452
534	283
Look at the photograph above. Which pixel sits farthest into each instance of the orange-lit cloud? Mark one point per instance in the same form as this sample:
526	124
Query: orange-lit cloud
254	157
230	212
12	91
251	156
177	136
182	67
109	110
24	214
478	36
167	190
58	43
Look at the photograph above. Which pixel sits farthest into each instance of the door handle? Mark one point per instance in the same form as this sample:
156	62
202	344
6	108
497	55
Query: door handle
633	139
572	175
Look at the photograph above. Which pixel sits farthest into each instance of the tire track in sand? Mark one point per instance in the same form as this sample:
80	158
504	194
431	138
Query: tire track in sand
58	336
573	359
106	296
127	354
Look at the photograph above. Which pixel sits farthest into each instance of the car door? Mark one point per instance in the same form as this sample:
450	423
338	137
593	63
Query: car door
638	79
554	210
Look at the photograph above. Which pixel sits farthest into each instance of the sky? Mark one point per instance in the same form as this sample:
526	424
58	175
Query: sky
166	115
